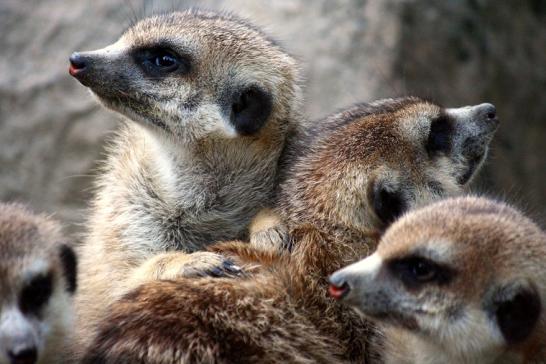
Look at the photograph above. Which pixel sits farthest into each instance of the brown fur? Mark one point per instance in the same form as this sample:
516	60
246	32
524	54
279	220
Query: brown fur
180	174
493	251
282	312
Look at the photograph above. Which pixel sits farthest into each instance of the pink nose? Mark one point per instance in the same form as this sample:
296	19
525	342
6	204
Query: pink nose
77	64
338	292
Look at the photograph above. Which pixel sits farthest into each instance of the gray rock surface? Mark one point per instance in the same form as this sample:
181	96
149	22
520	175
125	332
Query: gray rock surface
52	133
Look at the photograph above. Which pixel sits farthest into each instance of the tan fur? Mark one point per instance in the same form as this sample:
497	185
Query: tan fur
335	205
493	253
32	246
179	174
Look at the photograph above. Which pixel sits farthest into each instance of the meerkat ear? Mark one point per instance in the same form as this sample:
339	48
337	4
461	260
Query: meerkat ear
250	110
388	202
70	267
517	312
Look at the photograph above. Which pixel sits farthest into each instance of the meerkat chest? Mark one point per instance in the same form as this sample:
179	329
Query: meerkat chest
185	202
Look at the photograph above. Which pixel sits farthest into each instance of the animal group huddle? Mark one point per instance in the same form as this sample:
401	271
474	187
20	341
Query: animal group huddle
228	228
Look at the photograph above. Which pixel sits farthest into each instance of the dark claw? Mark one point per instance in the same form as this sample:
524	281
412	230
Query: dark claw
231	267
226	269
217	272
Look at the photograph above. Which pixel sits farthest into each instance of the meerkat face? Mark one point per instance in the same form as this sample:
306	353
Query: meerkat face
194	74
395	154
37	281
464	274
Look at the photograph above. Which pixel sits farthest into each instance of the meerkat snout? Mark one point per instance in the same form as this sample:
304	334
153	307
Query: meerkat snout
464	280
37	283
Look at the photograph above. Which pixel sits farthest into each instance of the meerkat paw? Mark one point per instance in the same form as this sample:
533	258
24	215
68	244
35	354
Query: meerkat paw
174	265
268	232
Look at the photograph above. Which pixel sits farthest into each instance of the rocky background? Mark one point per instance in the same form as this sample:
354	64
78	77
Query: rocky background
456	52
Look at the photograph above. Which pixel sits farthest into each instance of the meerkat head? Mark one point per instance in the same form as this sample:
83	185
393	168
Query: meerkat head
37	281
465	275
377	160
194	74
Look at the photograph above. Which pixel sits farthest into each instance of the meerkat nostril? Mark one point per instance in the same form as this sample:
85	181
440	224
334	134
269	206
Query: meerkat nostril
77	61
77	64
23	356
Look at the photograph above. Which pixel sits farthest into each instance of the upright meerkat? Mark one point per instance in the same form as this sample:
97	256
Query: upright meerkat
208	100
37	283
353	175
463	280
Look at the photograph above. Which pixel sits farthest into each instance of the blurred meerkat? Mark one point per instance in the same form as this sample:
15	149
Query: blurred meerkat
209	101
352	176
37	283
460	281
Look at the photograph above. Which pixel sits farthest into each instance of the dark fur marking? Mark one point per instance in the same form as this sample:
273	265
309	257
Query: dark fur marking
518	315
36	294
415	272
70	267
439	138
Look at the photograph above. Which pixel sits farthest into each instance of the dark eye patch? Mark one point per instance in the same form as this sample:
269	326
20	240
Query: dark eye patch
439	138
36	293
160	61
415	271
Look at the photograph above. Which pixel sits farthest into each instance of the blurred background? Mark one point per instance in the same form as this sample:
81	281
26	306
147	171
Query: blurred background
456	52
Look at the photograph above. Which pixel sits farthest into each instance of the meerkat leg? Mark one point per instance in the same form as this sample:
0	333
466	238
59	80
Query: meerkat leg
172	265
268	232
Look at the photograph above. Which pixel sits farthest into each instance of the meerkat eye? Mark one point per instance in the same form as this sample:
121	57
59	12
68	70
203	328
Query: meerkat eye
415	271
439	138
36	293
166	62
158	62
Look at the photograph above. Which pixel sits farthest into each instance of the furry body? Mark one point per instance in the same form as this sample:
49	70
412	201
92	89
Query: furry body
209	101
347	181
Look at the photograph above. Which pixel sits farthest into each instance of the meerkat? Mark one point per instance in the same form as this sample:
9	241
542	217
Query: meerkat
352	177
37	283
209	100
460	281
442	146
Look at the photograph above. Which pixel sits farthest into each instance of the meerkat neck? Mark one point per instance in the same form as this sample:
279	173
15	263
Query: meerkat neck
153	186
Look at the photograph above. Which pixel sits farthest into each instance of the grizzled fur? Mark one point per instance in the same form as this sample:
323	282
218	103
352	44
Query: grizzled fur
460	281
340	189
197	156
37	283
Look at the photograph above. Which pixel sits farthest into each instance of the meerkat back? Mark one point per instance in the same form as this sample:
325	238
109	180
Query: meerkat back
460	281
37	282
